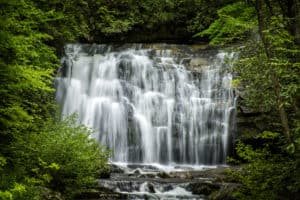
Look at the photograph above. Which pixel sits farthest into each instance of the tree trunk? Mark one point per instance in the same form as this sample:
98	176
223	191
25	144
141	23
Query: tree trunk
274	76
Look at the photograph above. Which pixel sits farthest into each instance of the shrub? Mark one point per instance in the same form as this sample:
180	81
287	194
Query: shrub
61	157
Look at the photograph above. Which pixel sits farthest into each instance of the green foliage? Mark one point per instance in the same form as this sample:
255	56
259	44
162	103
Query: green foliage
18	191
36	151
67	20
110	22
61	156
268	73
157	18
256	70
235	22
10	188
206	13
27	66
271	172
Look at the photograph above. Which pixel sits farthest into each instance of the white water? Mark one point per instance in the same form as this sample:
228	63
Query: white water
146	106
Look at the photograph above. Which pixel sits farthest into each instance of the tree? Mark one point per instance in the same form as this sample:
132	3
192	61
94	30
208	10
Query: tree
27	66
270	173
274	62
268	71
268	67
235	23
54	151
61	157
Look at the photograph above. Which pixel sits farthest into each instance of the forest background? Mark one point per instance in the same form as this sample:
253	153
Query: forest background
39	154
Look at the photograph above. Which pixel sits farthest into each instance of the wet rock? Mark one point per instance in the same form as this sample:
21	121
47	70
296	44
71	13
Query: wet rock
115	169
137	171
183	168
151	188
99	194
134	166
144	167
196	74
225	192
186	61
147	176
163	175
210	173
198	62
105	174
168	187
205	188
181	175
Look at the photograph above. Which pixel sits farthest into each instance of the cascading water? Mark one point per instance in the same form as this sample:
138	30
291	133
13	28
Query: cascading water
145	105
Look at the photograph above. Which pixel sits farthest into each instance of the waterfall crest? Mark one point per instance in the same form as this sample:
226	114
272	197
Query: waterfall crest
148	104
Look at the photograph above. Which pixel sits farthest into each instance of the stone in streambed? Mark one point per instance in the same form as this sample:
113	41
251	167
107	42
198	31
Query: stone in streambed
151	188
115	169
137	171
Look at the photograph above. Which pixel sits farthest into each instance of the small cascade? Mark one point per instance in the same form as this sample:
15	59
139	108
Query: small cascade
151	103
144	182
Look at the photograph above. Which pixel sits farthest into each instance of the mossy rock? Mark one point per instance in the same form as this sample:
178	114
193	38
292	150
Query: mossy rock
205	188
163	175
225	192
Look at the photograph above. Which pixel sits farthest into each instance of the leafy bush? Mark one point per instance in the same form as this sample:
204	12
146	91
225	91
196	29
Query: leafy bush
61	157
38	156
271	172
235	21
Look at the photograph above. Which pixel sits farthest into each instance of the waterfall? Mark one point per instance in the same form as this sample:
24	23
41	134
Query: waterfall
151	103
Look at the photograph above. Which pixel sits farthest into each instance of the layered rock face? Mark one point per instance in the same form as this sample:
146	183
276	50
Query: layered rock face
152	103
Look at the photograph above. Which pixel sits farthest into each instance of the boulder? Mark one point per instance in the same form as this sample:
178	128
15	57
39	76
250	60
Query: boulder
137	171
115	169
151	188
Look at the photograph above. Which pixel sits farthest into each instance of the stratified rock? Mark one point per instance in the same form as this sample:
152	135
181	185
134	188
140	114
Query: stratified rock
163	175
99	195
198	62
182	175
147	176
